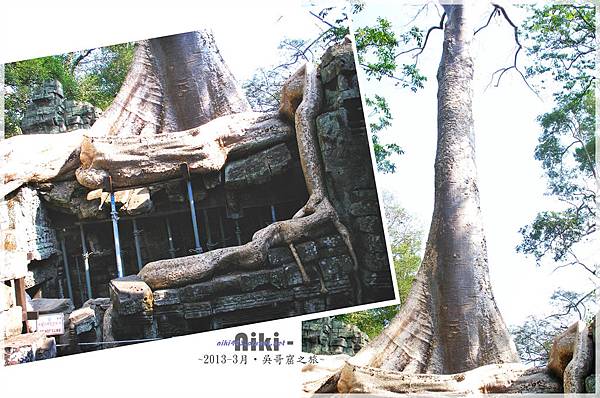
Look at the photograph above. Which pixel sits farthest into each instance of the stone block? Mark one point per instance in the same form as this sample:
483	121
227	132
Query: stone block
197	310
251	300
365	208
307	251
293	276
166	297
370	224
11	322
333	267
83	320
130	295
13	265
372	243
262	279
227	284
7	297
279	256
259	168
27	348
52	306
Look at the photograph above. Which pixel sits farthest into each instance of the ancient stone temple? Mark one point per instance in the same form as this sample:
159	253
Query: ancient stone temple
330	336
49	112
91	255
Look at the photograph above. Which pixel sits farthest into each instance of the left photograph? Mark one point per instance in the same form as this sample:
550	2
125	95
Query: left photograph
184	183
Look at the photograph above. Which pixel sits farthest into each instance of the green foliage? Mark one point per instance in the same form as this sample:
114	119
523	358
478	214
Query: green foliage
405	243
563	46
380	118
92	75
380	51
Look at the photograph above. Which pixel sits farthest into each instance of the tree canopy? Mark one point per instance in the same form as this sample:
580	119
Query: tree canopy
562	46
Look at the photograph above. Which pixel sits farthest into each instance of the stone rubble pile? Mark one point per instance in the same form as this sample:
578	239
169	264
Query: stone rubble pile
50	113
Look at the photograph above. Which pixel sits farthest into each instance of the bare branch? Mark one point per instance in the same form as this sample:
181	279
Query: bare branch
80	58
499	10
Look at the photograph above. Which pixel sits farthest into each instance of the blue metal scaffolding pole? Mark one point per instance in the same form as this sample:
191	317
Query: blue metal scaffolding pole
186	174
66	266
86	262
138	248
108	187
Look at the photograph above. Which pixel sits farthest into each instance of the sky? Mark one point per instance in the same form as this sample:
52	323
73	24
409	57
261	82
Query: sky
511	181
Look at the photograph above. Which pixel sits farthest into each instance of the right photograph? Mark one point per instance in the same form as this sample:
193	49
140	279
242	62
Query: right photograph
482	118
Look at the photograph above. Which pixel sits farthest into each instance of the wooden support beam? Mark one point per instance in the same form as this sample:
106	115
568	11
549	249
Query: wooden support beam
22	300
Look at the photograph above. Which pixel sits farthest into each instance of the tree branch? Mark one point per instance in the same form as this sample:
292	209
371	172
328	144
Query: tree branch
80	58
499	10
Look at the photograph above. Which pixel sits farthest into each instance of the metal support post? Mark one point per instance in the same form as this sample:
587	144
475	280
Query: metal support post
66	267
222	230
108	187
238	232
185	170
273	215
209	242
136	239
86	262
172	250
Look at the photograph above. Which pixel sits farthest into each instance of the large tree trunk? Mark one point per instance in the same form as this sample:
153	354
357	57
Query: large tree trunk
175	83
450	322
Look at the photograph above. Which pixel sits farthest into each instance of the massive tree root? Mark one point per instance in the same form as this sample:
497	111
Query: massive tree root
497	378
318	211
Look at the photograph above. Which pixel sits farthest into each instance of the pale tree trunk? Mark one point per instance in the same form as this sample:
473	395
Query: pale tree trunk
450	322
175	83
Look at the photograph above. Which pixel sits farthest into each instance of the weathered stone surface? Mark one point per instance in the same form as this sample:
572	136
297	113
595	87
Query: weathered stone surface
11	322
562	351
201	291
332	336
279	256
335	267
370	224
83	320
51	306
197	310
13	265
293	275
582	363
258	168
7	297
71	198
262	280
27	228
166	297
250	300
334	63
130	295
27	348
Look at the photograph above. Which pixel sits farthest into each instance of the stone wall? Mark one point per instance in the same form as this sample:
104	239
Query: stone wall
350	178
330	336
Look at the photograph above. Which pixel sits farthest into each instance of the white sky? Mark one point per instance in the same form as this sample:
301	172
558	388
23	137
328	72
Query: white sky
511	181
